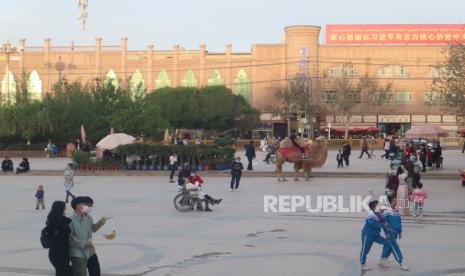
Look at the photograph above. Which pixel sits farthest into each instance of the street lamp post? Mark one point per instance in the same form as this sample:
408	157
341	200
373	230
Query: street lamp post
7	49
329	131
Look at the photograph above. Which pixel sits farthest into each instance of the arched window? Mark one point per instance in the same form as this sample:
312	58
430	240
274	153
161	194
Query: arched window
137	84
163	80
111	79
34	86
393	71
10	79
242	85
215	78
341	71
189	79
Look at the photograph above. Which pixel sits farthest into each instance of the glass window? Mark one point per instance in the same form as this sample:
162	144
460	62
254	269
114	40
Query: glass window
342	70
403	97
383	97
393	71
330	96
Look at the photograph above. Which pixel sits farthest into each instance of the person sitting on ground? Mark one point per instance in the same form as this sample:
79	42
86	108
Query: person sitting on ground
7	165
194	187
23	166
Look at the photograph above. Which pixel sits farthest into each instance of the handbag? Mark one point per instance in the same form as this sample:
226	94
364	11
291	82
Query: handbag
45	238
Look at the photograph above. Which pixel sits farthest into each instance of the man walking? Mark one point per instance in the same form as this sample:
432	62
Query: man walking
364	148
346	151
250	153
173	166
236	173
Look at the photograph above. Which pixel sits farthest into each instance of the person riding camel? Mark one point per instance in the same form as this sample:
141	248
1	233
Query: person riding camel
293	138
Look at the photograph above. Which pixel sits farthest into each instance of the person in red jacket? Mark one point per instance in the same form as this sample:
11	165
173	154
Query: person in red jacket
197	181
193	177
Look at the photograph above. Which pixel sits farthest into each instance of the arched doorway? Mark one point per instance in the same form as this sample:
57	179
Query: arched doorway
10	79
189	79
137	84
242	85
34	86
111	79
215	78
163	80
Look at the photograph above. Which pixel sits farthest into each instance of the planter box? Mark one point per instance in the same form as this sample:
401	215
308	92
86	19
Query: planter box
200	167
208	167
159	168
152	168
145	167
166	168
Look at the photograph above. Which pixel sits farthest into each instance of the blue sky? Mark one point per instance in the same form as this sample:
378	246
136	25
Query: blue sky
189	22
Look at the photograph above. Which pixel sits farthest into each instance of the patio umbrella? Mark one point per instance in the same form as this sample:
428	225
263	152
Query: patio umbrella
426	131
373	129
114	140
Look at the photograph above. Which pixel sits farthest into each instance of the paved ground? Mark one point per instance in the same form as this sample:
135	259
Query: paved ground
238	238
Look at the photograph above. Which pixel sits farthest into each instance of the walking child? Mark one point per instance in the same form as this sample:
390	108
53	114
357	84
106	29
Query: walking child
40	197
339	159
236	173
371	233
462	175
393	231
418	197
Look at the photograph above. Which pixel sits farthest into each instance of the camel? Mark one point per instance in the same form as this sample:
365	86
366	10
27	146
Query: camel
315	156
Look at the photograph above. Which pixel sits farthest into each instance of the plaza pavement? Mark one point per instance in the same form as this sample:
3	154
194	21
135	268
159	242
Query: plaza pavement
238	238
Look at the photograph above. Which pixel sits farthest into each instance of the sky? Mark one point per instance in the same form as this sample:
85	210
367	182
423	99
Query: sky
213	22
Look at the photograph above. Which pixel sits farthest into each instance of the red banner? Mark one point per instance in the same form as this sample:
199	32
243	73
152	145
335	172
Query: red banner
395	33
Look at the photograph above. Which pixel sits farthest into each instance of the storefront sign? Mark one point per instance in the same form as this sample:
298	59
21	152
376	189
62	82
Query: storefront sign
395	33
394	119
418	118
434	118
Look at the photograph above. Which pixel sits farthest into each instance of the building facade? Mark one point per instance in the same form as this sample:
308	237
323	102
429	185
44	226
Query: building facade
255	75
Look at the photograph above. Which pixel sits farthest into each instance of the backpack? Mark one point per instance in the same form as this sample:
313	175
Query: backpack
237	166
45	238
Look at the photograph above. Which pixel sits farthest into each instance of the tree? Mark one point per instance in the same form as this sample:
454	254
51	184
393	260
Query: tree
295	98
449	79
345	98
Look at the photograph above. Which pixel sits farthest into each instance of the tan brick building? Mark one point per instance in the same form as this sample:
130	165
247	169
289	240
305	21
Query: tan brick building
255	74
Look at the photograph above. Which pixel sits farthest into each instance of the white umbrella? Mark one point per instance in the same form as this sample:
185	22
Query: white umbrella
114	140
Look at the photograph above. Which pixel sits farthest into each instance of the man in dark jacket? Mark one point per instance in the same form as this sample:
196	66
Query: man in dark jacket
183	174
346	151
7	165
236	173
250	153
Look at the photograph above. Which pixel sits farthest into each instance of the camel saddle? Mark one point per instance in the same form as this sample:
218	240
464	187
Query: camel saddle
293	153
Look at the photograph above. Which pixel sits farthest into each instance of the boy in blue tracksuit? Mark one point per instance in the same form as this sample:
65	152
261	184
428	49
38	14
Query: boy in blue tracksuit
394	230
371	233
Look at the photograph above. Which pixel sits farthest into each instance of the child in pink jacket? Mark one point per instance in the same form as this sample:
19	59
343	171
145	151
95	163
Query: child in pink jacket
418	197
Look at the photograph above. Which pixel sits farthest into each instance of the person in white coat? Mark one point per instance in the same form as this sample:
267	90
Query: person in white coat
69	181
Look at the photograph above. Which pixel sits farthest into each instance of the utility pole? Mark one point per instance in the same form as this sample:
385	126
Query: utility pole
8	49
304	77
82	5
